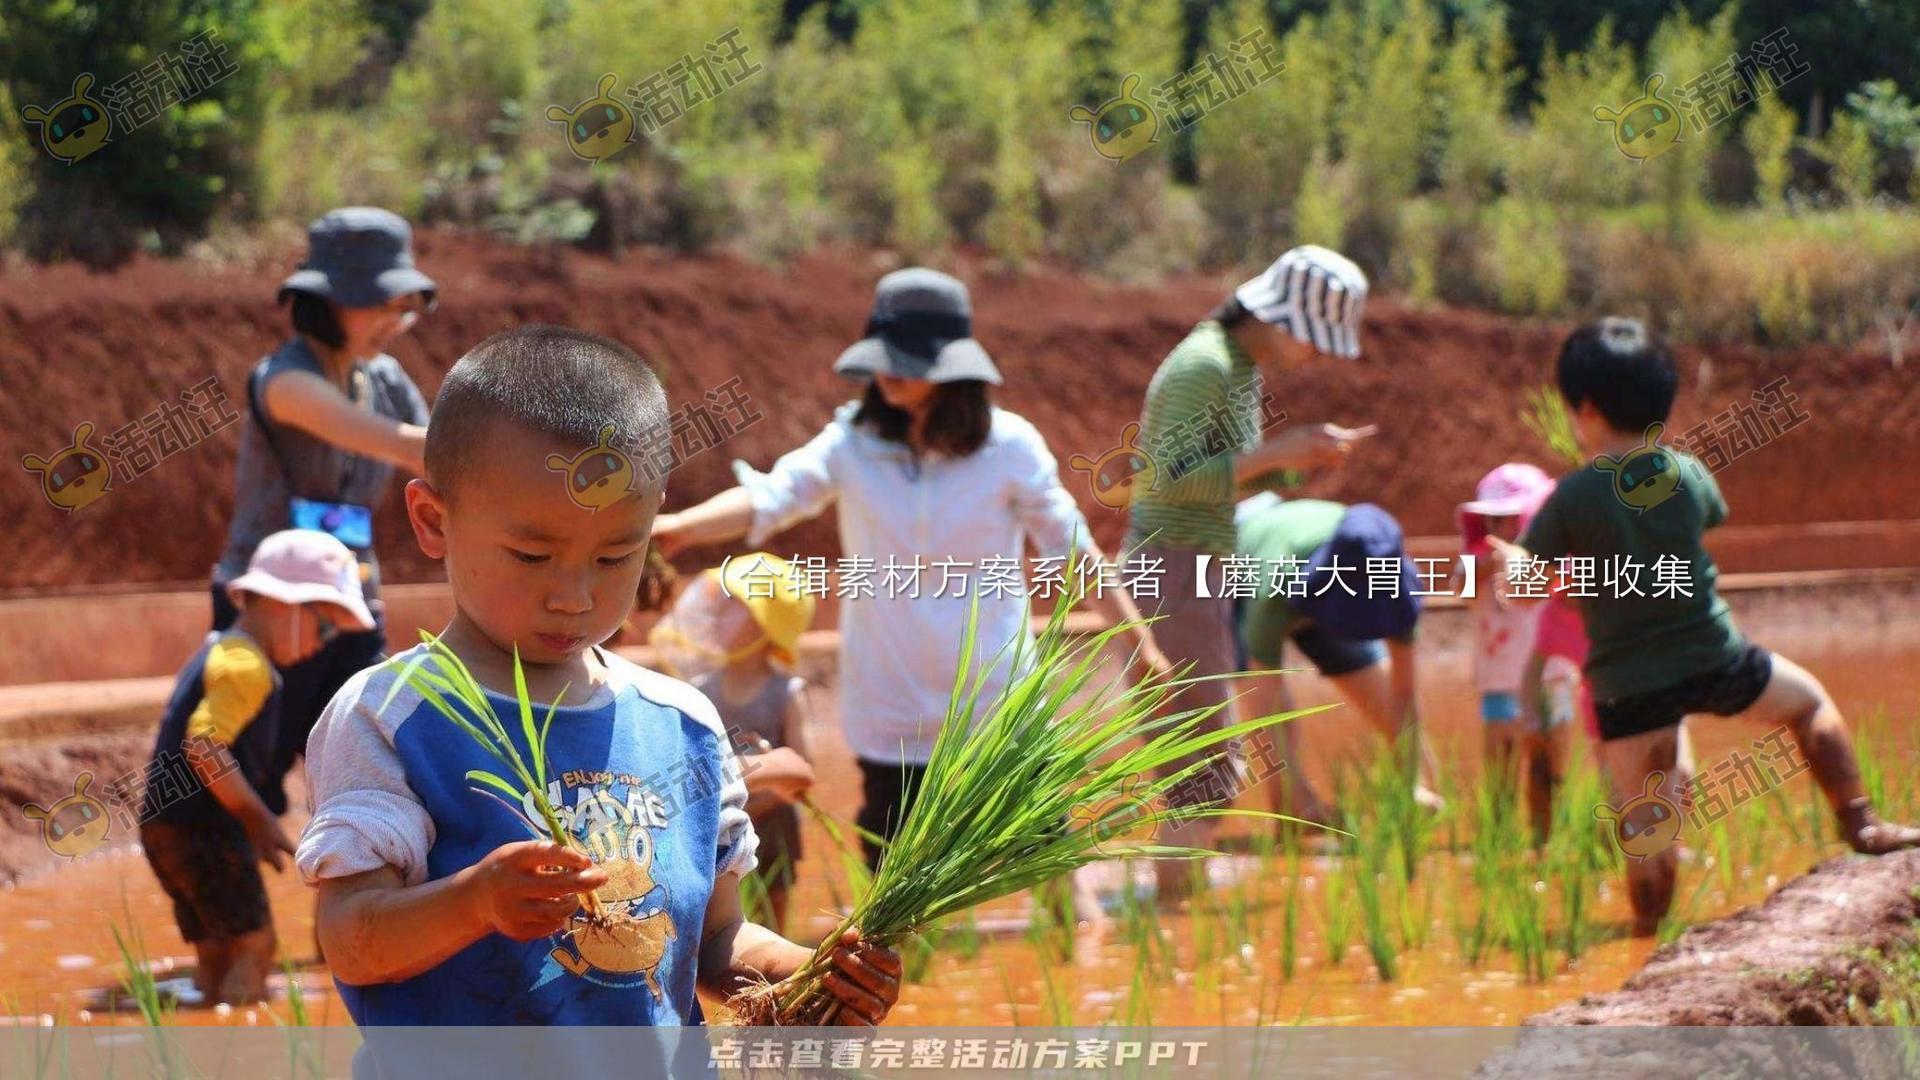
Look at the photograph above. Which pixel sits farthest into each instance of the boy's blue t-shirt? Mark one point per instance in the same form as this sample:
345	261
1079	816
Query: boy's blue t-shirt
642	777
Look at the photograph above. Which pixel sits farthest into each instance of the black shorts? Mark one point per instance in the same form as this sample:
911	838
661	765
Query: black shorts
1331	655
1723	691
209	871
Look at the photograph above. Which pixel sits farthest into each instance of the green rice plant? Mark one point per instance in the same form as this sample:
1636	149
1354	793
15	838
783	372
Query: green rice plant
965	937
1013	999
1526	926
36	1045
439	676
1783	812
1290	919
1055	746
302	1058
156	1009
1339	920
1059	1010
1722	840
1367	880
1676	920
1873	774
916	956
1547	417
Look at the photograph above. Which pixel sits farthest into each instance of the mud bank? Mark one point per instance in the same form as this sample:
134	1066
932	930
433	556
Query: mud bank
1445	386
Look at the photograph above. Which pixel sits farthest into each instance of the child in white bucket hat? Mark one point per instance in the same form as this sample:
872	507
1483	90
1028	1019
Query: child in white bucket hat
203	824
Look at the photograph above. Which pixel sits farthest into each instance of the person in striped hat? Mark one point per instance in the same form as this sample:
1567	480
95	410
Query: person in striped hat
1203	428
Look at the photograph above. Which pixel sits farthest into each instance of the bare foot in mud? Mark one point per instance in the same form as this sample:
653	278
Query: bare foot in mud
1868	835
1882	838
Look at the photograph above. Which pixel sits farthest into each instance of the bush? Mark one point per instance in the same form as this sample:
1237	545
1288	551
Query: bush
1768	137
1524	257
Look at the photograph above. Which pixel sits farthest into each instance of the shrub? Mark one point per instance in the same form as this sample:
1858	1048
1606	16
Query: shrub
1768	137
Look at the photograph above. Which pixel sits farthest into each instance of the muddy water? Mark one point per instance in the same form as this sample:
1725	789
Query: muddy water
57	954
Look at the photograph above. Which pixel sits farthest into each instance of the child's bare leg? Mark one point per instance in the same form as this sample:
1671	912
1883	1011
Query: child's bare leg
1628	762
245	980
1795	699
214	956
1540	779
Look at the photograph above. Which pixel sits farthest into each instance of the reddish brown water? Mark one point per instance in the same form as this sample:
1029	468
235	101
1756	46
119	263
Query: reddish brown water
58	957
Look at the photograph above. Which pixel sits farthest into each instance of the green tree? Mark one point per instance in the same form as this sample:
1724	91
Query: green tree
1768	137
166	177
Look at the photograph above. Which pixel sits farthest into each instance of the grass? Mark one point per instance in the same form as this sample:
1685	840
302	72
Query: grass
1055	746
155	1008
1546	416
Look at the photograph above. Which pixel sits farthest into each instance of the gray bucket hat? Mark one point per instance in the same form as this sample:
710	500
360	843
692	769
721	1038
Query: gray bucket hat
921	328
359	256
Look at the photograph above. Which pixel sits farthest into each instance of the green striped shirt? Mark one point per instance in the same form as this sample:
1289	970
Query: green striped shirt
1202	408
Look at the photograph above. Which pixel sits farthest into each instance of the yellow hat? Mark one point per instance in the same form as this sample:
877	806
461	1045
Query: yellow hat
770	588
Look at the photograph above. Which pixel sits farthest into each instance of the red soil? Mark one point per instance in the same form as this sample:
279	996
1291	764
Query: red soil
1443	385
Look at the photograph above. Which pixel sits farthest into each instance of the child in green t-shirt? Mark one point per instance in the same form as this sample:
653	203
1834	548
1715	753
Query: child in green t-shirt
1664	642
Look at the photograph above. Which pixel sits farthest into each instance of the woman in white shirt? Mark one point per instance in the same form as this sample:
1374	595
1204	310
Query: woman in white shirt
924	471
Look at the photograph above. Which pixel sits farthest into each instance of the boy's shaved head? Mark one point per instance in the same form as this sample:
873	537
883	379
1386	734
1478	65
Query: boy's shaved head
566	384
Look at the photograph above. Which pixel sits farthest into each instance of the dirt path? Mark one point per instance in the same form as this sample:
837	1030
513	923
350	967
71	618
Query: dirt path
1798	958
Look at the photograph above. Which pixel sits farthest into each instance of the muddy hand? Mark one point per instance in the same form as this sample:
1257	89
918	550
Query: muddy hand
865	980
270	842
530	889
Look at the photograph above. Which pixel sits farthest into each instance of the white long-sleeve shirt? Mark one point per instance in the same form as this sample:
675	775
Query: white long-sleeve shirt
899	654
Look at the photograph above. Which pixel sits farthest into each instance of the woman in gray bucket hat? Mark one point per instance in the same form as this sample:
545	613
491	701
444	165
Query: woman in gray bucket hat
330	417
923	469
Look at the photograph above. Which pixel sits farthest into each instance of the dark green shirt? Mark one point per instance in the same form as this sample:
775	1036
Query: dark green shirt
1659	635
1282	535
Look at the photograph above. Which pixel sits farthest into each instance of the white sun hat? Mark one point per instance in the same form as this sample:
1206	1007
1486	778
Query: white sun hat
305	566
1314	293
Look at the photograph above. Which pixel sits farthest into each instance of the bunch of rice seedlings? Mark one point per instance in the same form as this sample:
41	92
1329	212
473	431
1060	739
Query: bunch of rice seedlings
439	676
1019	791
1547	417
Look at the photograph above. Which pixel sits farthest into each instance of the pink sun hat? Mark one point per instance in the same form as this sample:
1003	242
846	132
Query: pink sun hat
1515	489
305	566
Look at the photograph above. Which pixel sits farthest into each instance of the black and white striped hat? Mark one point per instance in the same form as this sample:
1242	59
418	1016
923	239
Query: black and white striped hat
1316	294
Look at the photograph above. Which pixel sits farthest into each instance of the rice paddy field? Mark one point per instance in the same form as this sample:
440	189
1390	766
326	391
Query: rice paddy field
1412	917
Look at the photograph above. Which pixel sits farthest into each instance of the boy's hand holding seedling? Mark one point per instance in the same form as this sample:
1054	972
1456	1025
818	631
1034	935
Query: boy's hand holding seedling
530	889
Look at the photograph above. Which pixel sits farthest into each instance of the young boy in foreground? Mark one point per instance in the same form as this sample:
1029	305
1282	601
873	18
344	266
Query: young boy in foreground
434	906
1656	658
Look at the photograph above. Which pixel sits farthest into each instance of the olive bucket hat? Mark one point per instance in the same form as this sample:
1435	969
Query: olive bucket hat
921	328
357	257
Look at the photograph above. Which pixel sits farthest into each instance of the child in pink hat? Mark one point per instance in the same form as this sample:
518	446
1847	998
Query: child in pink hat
204	826
1504	653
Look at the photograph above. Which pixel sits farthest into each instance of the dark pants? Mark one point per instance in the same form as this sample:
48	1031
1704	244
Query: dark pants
305	689
887	791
